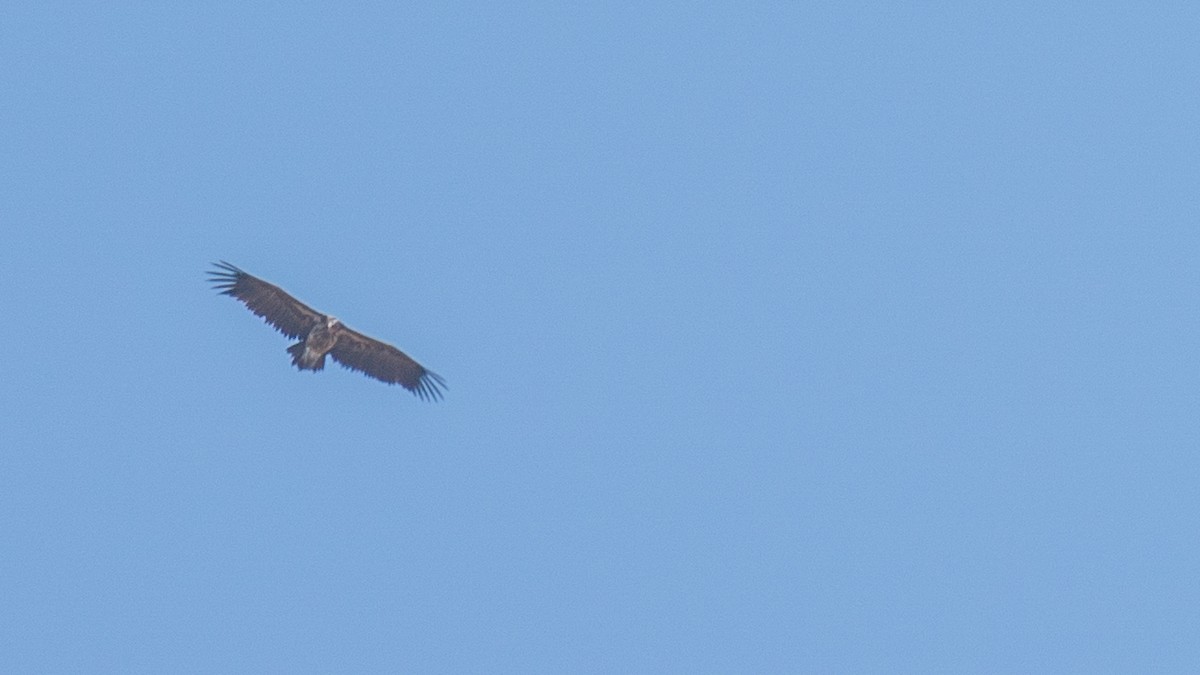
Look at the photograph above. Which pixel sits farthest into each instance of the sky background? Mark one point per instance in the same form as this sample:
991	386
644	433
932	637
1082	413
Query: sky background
779	337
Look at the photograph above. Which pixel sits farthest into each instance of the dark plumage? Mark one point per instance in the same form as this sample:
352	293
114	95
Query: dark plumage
321	334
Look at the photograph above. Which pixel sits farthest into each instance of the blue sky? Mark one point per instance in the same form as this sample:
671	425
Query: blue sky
779	337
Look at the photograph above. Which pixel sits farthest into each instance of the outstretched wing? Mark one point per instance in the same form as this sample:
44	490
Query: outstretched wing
287	314
385	363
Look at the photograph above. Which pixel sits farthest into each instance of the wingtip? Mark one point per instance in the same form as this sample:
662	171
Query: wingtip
429	387
225	277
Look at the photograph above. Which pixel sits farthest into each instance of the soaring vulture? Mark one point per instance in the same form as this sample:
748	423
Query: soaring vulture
321	334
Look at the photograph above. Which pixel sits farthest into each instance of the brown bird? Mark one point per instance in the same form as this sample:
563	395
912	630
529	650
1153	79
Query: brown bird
321	334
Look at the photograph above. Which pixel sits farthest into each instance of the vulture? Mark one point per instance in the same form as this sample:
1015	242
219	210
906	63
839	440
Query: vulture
321	335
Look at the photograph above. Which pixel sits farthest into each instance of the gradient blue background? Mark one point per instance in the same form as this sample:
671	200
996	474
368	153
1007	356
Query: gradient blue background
780	337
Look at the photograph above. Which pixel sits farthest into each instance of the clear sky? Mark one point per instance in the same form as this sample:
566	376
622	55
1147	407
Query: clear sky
820	337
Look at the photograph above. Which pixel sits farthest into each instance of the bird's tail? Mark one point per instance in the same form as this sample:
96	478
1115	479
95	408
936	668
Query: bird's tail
305	360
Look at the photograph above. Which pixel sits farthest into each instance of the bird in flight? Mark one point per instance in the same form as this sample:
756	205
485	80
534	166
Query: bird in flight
321	335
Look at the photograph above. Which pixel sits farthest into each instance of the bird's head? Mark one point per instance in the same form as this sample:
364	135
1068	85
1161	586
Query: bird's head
332	321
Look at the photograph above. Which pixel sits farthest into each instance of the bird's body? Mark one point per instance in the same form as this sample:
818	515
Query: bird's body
322	335
309	354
